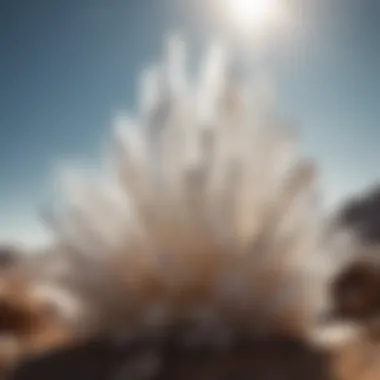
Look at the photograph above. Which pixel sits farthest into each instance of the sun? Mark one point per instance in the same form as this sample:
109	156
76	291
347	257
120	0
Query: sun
255	15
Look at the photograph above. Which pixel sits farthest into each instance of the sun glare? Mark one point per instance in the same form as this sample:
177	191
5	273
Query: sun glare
255	15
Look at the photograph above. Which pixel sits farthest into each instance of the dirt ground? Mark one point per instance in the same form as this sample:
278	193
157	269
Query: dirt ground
360	361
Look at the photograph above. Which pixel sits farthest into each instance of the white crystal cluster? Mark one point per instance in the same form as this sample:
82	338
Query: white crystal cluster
203	213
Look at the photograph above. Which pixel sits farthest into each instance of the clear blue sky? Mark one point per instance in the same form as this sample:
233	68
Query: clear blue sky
67	65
